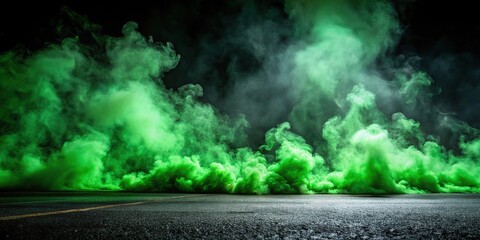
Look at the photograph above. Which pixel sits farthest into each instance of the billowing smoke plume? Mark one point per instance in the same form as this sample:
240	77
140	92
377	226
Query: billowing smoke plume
78	117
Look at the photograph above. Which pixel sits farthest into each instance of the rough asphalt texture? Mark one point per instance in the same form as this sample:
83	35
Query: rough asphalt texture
165	216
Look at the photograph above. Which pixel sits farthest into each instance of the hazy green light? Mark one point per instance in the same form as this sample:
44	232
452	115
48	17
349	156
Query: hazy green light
71	121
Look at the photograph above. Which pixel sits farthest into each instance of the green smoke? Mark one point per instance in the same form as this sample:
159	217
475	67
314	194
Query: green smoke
76	119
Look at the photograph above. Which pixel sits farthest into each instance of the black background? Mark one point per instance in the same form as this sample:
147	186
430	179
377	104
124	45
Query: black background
445	35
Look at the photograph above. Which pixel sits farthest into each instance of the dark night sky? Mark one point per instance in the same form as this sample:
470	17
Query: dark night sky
444	35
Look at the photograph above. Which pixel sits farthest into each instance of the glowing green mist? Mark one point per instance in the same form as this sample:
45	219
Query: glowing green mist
72	119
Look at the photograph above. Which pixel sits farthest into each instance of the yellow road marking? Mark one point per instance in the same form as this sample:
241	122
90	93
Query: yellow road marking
85	209
28	202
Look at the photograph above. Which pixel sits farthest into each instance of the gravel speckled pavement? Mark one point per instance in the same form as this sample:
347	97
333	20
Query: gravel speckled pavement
114	215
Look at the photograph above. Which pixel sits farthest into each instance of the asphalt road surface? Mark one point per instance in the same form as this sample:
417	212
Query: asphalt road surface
110	215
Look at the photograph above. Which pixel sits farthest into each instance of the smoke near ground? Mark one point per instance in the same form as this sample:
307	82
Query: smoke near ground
97	115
